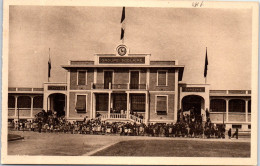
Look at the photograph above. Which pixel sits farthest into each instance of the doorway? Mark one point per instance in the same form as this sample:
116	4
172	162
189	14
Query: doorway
108	78
134	79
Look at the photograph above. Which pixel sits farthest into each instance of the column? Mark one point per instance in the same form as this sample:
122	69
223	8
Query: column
31	106
146	108
246	105
95	76
227	105
127	109
109	104
15	106
147	79
92	111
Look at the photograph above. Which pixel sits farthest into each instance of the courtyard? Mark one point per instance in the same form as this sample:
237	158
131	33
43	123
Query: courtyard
60	144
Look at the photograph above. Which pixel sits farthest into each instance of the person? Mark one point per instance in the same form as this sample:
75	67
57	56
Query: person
235	134
229	133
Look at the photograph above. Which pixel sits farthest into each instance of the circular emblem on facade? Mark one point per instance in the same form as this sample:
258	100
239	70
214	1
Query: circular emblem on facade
121	50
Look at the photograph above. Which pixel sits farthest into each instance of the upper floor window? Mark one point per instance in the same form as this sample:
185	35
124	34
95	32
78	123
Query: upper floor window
162	77
82	77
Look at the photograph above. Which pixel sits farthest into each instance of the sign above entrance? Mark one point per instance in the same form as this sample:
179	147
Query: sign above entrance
57	87
122	60
193	89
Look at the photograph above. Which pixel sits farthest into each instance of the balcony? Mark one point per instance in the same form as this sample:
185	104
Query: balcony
120	86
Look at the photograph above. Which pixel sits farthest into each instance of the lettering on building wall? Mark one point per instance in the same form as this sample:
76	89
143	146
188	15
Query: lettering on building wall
193	89
108	60
57	87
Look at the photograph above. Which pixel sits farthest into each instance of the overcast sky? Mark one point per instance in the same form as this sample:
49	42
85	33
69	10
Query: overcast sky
77	33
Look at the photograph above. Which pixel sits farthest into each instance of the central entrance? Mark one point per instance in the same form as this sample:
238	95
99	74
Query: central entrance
119	102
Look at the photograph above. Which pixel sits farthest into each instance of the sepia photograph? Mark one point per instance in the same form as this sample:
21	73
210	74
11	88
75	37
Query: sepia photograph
161	83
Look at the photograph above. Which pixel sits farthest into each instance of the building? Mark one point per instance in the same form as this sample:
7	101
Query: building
129	87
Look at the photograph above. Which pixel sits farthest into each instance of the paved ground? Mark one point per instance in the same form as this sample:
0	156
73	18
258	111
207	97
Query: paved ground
55	144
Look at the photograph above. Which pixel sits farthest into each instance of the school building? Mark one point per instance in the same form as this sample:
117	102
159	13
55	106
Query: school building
131	88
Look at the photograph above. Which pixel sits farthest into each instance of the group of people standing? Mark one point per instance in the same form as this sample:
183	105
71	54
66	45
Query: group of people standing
188	126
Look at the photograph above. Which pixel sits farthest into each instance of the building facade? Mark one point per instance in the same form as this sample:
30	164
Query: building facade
129	87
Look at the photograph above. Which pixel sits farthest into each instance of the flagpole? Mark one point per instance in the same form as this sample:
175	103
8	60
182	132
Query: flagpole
49	64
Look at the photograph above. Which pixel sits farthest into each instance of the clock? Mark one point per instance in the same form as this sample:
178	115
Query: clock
121	50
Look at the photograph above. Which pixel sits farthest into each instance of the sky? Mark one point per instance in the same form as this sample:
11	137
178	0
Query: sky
182	34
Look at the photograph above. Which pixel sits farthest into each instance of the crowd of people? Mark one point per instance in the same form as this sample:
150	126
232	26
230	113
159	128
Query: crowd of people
188	125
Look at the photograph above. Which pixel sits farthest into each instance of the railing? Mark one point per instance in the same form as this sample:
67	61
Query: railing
119	86
136	119
137	86
231	91
121	116
117	116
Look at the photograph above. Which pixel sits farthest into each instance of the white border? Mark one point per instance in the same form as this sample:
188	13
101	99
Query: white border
157	82
86	77
76	99
166	102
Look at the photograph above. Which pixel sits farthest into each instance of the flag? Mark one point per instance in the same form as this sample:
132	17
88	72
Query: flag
206	65
122	34
49	65
123	15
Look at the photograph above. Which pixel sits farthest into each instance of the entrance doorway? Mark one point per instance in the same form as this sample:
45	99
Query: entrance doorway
134	79
108	78
194	104
57	104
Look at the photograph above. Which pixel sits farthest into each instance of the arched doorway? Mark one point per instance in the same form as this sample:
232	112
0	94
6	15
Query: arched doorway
193	103
56	103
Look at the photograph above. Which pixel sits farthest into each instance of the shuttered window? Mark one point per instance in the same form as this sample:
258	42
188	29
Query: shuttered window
138	103
82	77
161	105
162	78
81	103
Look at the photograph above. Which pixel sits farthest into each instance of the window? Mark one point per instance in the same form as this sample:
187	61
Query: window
162	78
81	103
82	77
249	126
138	103
38	102
236	126
218	105
161	105
24	102
236	105
11	101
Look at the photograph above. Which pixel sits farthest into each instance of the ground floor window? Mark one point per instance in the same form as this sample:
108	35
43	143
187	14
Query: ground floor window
81	103
38	102
218	105
161	105
236	126
11	101
236	105
101	102
24	102
138	103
